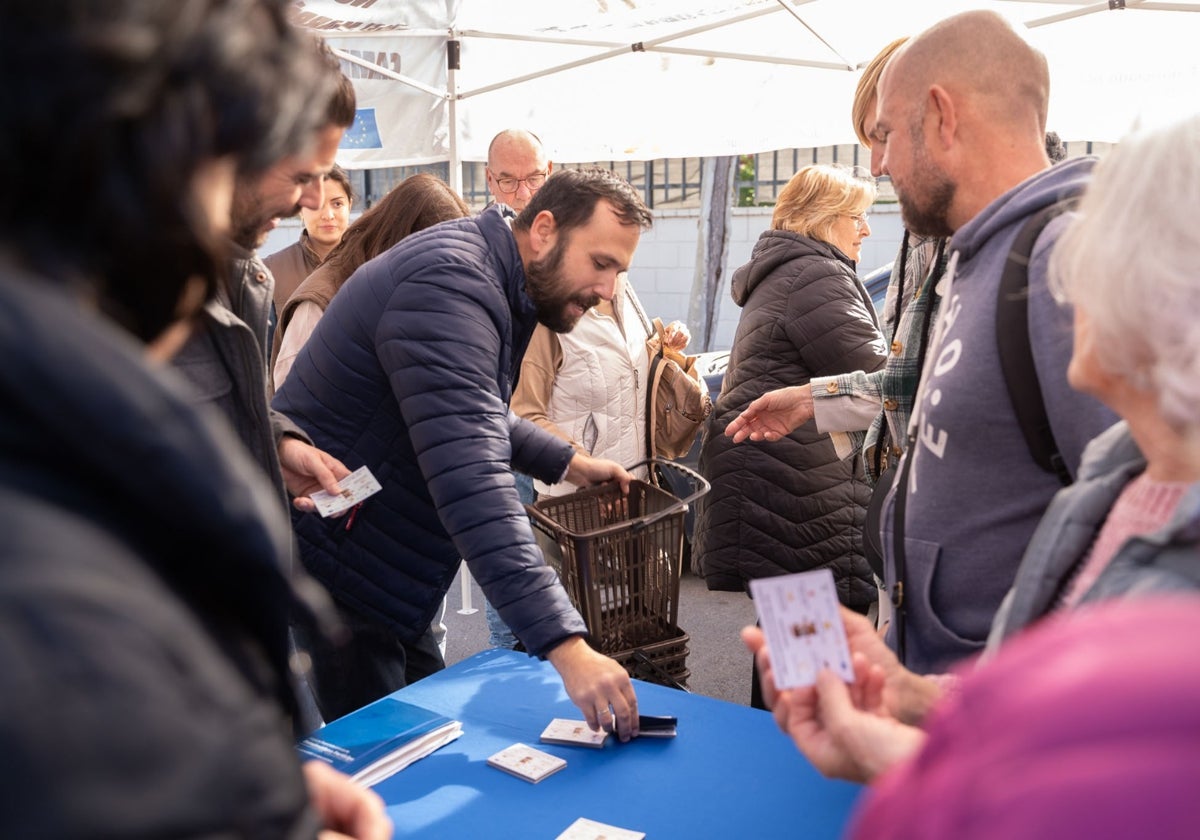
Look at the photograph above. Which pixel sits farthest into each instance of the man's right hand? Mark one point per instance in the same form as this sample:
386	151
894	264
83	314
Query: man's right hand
598	685
774	415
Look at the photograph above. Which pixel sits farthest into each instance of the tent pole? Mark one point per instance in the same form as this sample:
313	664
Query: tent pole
453	57
716	215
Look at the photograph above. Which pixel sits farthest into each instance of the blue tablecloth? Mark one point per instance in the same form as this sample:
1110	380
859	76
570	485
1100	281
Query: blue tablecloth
730	773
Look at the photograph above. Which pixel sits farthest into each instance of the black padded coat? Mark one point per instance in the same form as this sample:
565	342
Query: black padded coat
791	505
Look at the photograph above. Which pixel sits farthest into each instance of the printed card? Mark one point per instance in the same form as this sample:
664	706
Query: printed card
585	829
525	762
572	733
359	485
799	616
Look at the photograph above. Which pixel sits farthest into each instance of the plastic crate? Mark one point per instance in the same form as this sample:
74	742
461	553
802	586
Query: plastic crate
621	557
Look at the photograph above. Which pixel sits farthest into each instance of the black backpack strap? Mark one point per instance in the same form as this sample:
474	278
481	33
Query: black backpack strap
899	557
1016	355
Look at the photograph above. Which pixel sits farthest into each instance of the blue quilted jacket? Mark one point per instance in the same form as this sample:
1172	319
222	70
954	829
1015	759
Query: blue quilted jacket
410	372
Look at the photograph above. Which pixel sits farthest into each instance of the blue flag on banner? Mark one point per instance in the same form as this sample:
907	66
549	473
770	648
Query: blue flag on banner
364	134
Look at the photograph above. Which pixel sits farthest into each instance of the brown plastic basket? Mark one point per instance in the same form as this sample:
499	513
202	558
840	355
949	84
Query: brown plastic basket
664	663
621	557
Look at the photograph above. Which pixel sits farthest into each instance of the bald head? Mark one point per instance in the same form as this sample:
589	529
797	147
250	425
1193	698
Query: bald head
980	60
963	106
514	156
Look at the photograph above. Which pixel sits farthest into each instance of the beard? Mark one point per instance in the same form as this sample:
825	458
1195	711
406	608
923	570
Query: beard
250	219
545	286
925	202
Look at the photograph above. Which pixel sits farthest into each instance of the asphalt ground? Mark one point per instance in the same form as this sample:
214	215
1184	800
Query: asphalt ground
719	664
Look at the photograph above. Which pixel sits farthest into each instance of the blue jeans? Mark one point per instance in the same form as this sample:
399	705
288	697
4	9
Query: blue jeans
498	633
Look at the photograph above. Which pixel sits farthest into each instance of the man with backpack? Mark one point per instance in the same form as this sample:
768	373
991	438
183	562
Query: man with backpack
1001	430
962	114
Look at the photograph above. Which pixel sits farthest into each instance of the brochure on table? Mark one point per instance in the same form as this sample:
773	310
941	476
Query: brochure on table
379	739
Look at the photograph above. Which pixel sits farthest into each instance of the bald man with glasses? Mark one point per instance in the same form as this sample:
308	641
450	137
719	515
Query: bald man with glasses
516	167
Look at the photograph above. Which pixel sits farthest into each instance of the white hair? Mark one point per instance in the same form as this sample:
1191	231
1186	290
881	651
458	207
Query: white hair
1131	262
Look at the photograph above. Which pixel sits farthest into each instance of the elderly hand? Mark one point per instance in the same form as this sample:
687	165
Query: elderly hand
906	696
346	809
844	730
774	415
598	685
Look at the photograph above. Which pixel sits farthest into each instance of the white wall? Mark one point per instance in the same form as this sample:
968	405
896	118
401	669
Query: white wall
664	267
663	270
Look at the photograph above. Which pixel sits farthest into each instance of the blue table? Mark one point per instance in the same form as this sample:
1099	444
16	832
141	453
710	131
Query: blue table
730	773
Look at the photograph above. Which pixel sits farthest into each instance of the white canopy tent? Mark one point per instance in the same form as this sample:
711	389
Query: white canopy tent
602	80
647	79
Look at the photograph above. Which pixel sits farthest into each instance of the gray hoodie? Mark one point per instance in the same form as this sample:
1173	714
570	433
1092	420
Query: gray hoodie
975	493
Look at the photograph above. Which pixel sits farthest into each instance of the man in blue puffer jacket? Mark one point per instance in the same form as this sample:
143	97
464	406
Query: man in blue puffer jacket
410	373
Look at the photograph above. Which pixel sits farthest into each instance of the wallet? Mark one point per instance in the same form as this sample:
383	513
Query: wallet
657	726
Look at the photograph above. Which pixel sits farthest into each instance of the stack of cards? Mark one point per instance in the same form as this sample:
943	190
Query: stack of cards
585	829
573	733
799	616
526	763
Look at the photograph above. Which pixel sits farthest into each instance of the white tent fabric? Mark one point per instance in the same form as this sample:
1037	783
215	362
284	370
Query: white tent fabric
646	79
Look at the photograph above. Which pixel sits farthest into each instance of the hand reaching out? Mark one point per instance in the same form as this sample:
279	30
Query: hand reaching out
774	415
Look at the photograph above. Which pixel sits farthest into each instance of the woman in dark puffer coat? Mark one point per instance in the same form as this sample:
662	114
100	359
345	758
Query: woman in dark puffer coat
798	503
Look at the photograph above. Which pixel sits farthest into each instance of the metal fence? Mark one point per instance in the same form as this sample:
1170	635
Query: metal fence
671	183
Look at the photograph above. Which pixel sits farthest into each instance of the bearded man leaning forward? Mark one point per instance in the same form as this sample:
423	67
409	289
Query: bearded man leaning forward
410	373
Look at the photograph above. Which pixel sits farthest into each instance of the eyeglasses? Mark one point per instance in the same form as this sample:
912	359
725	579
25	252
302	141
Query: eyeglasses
511	185
860	221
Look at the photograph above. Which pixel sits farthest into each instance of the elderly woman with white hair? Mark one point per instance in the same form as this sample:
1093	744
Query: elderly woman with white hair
1130	524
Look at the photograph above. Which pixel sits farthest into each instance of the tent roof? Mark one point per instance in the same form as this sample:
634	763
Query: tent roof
645	79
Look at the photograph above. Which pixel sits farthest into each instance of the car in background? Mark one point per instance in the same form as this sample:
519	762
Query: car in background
877	283
712	367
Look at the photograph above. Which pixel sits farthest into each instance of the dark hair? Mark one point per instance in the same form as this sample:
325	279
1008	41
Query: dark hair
417	202
119	104
342	177
571	196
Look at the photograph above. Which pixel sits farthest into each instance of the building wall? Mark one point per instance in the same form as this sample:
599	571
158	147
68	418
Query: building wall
664	267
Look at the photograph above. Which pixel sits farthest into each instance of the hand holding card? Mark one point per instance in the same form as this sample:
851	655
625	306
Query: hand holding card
800	618
359	485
